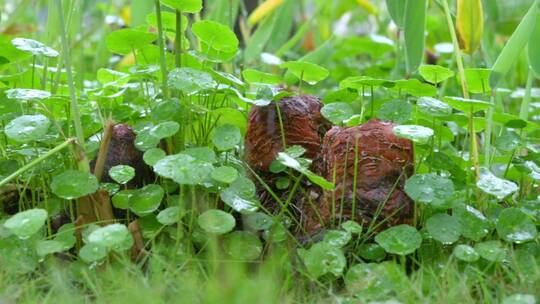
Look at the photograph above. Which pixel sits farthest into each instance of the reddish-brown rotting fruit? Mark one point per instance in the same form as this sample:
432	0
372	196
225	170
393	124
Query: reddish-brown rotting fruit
303	125
122	151
383	162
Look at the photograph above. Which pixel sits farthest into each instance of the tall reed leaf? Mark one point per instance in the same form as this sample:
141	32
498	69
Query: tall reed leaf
514	46
469	24
534	49
396	8
415	25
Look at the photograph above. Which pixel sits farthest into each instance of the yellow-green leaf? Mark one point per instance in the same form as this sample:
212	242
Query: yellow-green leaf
263	10
469	24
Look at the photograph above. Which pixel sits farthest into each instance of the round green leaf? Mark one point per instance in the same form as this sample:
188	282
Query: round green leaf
125	41
27	94
433	107
493	185
491	251
226	137
337	112
225	174
398	111
323	258
122	174
435	73
429	188
146	200
216	35
153	155
92	253
444	228
352	227
34	47
26	223
27	128
474	224
372	252
465	105
165	129
338	238
306	71
513	225
466	253
112	237
191	81
216	221
185	6
418	134
183	169
254	76
242	245
73	184
400	240
257	221
47	247
169	216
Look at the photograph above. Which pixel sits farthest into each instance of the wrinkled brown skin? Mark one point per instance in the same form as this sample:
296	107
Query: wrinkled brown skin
303	125
384	163
122	151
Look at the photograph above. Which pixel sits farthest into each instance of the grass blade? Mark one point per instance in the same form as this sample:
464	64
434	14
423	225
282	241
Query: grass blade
415	25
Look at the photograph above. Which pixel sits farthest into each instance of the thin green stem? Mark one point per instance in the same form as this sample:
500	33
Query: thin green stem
178	40
162	58
36	161
524	110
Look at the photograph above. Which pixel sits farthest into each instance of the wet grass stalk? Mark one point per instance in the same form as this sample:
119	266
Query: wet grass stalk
162	56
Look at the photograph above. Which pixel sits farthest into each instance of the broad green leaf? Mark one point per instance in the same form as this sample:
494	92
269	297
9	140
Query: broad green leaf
253	76
26	223
414	87
466	105
474	224
165	129
257	221
371	252
323	258
152	156
429	188
337	112
204	154
398	111
444	228
491	184
360	83
514	226
242	245
418	134
112	237
27	94
232	197
491	251
433	107
435	73
373	280
27	128
191	81
477	80
216	35
414	28
400	240
146	200
469	24
34	47
396	8
183	169
46	247
225	174
185	6
534	49
122	174
73	184
90	253
226	137
306	71
125	41
216	221
337	238
466	253
168	21
514	46
169	216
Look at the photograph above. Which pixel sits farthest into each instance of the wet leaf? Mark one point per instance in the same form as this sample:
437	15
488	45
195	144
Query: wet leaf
253	76
474	224
46	247
27	94
429	188
323	258
146	200
216	35
337	238
418	134
337	112
27	128
435	73
165	129
225	174
169	216
34	47
111	237
372	252
226	137
400	240
191	81
433	107
257	221
491	184
444	228
514	226
183	169
125	41
26	223
122	174
153	155
398	111
466	253
90	253
491	251
73	184
242	245
216	221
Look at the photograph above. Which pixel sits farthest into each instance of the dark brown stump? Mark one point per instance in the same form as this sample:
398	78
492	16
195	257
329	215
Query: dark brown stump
383	162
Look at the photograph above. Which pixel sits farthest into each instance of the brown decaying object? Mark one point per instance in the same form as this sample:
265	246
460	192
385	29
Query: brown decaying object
384	161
